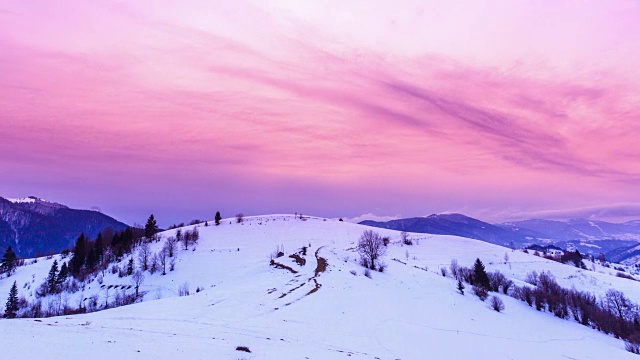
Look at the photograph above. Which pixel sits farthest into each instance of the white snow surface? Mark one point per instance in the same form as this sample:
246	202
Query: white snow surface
22	200
403	313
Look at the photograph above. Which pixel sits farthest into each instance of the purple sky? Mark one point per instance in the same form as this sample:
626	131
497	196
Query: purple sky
501	110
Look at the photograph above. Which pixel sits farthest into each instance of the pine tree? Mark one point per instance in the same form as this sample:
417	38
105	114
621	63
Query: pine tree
63	274
130	266
79	255
99	247
218	217
12	302
92	258
460	287
151	228
480	277
52	280
9	261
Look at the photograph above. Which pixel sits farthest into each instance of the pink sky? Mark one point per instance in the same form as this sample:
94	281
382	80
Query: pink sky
495	109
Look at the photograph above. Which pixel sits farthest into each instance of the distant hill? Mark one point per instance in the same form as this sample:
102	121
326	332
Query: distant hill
578	229
588	236
459	225
32	226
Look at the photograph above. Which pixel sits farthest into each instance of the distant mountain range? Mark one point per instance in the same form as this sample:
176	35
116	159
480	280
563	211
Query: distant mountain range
588	236
32	226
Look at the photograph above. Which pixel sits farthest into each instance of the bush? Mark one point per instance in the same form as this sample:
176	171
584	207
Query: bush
367	273
632	343
239	218
406	240
183	290
480	292
496	303
625	276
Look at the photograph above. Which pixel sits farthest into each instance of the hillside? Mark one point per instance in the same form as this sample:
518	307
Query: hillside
33	226
403	313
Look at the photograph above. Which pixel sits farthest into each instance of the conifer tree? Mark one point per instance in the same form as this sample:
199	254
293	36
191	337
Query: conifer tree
63	274
480	277
79	255
460	287
11	307
9	261
52	280
218	217
151	228
130	267
99	247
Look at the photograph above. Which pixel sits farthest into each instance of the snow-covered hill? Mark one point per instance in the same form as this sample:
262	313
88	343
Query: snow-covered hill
408	312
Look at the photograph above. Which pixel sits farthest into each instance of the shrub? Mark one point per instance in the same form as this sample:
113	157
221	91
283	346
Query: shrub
183	290
243	348
406	240
532	278
632	343
480	292
367	273
496	303
239	218
443	271
625	276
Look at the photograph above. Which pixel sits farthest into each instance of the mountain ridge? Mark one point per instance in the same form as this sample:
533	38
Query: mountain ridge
33	226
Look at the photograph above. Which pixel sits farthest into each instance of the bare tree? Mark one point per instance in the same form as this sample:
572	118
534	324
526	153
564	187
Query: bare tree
195	235
618	304
171	246
172	263
239	218
144	253
371	248
162	259
454	268
136	279
187	239
496	303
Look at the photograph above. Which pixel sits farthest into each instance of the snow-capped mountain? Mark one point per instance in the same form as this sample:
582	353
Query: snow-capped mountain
34	226
307	311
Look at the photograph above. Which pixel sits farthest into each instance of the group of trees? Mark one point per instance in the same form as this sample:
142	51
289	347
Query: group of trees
613	314
55	280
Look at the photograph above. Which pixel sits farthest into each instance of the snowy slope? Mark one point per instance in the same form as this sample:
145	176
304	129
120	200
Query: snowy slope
404	313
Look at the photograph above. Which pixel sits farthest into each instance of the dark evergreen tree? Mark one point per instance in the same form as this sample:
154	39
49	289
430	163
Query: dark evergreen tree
92	258
63	274
79	255
480	277
130	267
151	228
99	247
11	308
52	278
460	287
9	261
218	217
